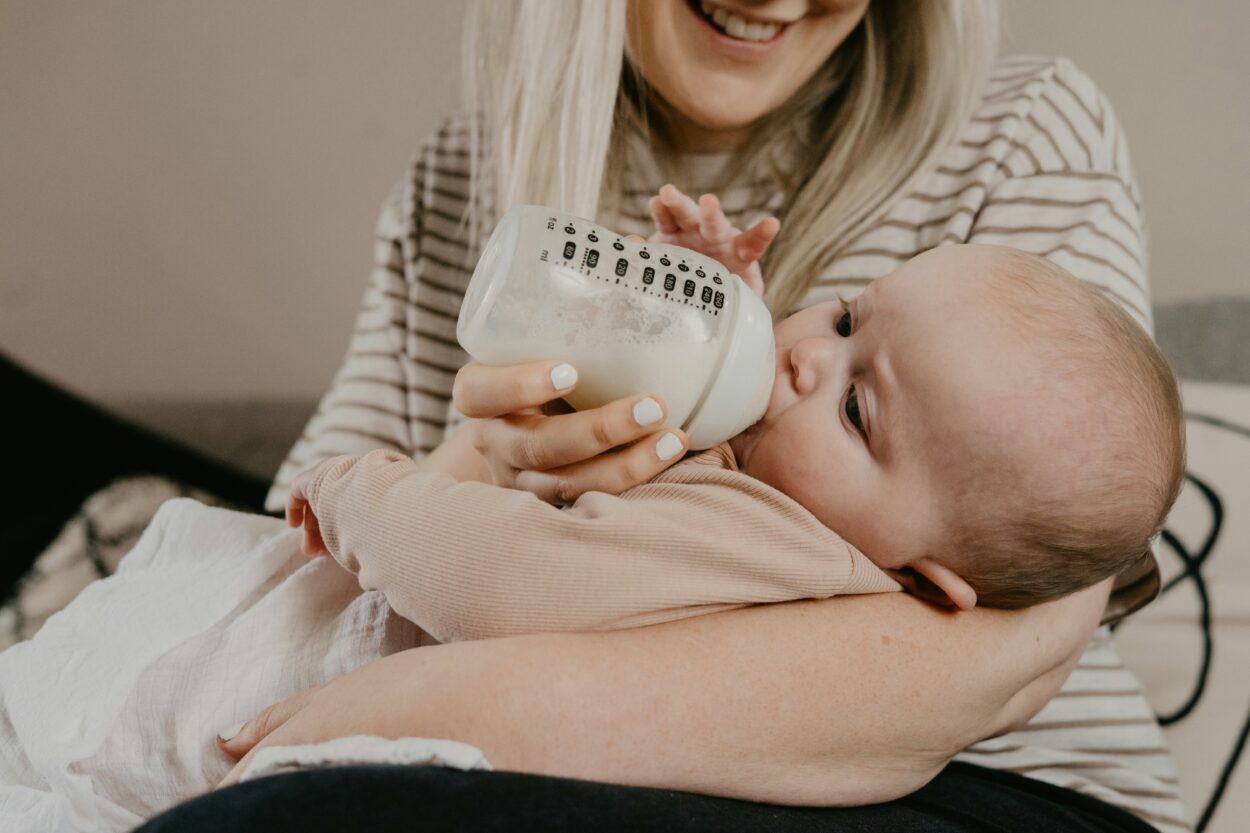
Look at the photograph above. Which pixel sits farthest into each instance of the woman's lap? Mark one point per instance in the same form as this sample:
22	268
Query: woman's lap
962	799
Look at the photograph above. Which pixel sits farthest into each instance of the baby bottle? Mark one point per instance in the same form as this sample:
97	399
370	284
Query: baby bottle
632	317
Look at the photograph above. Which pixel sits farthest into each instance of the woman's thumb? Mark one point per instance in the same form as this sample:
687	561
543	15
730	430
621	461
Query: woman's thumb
238	740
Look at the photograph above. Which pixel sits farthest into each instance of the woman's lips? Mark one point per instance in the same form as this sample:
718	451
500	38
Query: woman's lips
735	47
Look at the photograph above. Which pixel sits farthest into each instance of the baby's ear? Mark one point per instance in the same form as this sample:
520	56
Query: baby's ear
938	584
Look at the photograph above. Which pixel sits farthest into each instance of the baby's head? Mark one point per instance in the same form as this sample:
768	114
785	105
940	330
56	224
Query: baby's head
980	419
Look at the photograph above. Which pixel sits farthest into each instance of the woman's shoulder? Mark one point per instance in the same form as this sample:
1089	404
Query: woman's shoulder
1051	113
443	159
1041	165
433	190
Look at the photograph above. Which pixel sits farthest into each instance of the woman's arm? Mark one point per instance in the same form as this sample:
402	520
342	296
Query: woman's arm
846	701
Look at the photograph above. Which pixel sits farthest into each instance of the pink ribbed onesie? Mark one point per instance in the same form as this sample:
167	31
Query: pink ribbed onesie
467	560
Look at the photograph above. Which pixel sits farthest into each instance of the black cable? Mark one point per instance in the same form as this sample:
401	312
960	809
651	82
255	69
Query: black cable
1226	775
1192	572
1192	564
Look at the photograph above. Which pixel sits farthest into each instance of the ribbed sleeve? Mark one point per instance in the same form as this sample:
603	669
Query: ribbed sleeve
473	561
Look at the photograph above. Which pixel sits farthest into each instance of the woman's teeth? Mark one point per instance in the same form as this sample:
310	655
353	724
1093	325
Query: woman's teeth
736	27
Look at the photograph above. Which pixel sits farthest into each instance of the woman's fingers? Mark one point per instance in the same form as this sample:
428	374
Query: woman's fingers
482	391
237	741
612	473
538	443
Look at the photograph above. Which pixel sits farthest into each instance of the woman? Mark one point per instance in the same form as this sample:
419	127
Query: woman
874	131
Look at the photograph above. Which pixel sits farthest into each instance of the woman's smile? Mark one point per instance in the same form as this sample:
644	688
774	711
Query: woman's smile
737	35
722	65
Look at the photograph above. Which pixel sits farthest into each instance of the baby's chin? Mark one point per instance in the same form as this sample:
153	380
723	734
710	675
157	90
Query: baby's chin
741	444
782	397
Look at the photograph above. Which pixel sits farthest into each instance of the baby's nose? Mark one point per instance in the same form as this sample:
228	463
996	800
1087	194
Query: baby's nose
815	359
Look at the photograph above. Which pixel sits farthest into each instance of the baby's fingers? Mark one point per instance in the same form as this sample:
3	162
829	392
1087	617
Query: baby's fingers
314	544
681	208
752	243
662	216
713	224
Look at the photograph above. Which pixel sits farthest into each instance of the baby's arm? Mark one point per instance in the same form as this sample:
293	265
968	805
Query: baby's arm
467	560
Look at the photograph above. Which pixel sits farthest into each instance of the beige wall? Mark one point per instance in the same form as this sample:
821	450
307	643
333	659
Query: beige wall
187	190
1177	75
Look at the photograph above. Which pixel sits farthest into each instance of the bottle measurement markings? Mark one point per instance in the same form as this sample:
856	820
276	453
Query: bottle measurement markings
709	300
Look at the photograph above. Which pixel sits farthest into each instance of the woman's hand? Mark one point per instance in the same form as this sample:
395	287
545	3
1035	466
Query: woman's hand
852	700
705	229
560	456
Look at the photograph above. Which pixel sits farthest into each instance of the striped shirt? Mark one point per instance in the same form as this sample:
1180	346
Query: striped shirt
1042	166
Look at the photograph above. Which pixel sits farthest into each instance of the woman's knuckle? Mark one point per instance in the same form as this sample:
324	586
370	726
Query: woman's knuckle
266	721
529	452
515	389
601	429
633	470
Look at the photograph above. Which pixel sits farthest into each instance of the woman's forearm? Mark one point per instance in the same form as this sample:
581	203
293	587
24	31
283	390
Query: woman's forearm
847	701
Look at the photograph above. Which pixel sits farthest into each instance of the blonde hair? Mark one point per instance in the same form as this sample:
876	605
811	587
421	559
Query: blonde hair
872	120
1021	536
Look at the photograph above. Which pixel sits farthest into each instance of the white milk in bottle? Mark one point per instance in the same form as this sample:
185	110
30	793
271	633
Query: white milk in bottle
632	317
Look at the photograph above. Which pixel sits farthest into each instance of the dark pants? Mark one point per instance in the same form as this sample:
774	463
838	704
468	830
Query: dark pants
384	799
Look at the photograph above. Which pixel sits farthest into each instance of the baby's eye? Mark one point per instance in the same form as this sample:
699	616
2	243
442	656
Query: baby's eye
852	409
844	325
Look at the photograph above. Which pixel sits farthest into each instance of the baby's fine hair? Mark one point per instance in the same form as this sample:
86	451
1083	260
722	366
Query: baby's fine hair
1024	537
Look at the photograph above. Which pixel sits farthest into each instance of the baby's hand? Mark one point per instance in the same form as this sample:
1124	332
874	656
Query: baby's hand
704	228
300	513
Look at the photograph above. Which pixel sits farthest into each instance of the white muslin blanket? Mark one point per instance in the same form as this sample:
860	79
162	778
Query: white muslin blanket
108	715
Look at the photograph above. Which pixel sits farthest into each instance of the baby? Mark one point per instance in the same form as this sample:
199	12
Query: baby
979	425
979	418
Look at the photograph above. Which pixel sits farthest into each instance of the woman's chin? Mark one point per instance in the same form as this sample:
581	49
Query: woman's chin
718	119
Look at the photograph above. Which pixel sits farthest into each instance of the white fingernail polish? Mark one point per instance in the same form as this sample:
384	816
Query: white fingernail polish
668	447
647	411
563	376
230	733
